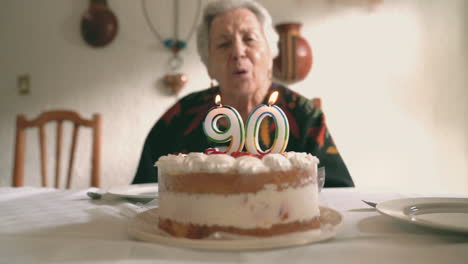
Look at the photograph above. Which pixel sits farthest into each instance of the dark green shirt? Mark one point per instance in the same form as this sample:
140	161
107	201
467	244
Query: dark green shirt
180	130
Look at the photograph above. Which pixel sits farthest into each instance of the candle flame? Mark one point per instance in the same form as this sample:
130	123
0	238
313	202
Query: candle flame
218	99
273	97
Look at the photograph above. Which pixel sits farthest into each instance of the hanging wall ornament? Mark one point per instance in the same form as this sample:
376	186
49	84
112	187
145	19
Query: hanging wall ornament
295	55
98	24
175	80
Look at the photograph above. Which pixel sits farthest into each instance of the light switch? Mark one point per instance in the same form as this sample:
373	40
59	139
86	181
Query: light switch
24	84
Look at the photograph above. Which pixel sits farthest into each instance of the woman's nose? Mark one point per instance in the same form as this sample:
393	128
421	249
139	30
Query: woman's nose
238	50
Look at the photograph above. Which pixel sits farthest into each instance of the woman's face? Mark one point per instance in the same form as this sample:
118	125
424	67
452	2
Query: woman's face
239	56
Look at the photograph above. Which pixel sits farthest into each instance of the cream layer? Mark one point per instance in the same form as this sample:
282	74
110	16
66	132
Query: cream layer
250	210
222	163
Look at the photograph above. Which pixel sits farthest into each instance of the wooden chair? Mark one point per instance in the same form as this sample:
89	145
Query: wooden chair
59	116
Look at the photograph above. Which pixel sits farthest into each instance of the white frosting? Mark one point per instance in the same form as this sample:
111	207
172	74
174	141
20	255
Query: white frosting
249	165
277	162
249	210
194	161
171	163
301	159
221	163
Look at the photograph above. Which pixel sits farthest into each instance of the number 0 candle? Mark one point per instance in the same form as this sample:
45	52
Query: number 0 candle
253	125
234	132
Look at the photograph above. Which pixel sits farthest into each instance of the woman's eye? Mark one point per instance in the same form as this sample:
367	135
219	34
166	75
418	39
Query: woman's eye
249	39
223	44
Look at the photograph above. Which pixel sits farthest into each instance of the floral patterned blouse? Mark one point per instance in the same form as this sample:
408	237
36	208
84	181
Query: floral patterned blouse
180	130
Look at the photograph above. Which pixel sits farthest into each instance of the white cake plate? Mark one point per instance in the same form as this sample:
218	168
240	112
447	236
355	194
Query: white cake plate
448	214
144	226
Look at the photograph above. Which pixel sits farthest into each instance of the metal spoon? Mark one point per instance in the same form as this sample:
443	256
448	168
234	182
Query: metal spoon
94	195
98	196
371	204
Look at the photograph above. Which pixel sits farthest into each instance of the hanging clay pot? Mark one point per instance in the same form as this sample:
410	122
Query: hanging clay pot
295	58
175	81
99	24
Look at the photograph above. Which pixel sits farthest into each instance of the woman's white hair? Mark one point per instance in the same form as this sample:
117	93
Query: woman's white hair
220	6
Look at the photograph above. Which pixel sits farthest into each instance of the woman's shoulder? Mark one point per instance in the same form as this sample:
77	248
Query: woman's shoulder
198	97
296	102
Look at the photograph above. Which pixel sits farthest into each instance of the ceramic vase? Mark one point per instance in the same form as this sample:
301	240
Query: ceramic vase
295	58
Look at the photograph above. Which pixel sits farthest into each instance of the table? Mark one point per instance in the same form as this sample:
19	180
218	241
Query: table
44	225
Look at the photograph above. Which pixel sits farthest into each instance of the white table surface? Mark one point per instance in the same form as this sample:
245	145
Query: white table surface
39	225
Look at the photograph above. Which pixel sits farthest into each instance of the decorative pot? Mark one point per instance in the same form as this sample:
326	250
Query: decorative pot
295	58
99	24
175	81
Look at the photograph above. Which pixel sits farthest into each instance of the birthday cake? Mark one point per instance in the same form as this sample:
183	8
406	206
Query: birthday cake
241	194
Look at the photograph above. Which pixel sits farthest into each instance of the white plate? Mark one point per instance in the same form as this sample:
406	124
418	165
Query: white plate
136	191
450	214
145	227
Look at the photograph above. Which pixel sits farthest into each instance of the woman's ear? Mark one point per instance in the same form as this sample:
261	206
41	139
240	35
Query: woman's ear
209	70
210	75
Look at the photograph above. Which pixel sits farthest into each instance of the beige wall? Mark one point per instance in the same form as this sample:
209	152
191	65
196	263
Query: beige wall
392	82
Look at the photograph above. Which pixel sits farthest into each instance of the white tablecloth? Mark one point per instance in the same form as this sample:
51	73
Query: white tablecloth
40	225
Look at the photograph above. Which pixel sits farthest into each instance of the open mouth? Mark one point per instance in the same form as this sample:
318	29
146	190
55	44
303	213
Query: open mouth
240	72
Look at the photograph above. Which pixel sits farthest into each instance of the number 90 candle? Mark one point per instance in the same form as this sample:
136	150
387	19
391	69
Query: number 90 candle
234	132
253	125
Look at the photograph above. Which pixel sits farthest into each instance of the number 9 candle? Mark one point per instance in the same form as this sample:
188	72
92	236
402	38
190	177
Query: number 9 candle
234	132
253	125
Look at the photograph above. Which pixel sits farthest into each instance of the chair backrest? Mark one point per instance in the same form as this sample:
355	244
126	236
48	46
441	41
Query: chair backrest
58	116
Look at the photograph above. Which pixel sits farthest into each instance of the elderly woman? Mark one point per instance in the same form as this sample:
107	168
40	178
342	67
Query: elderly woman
237	43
